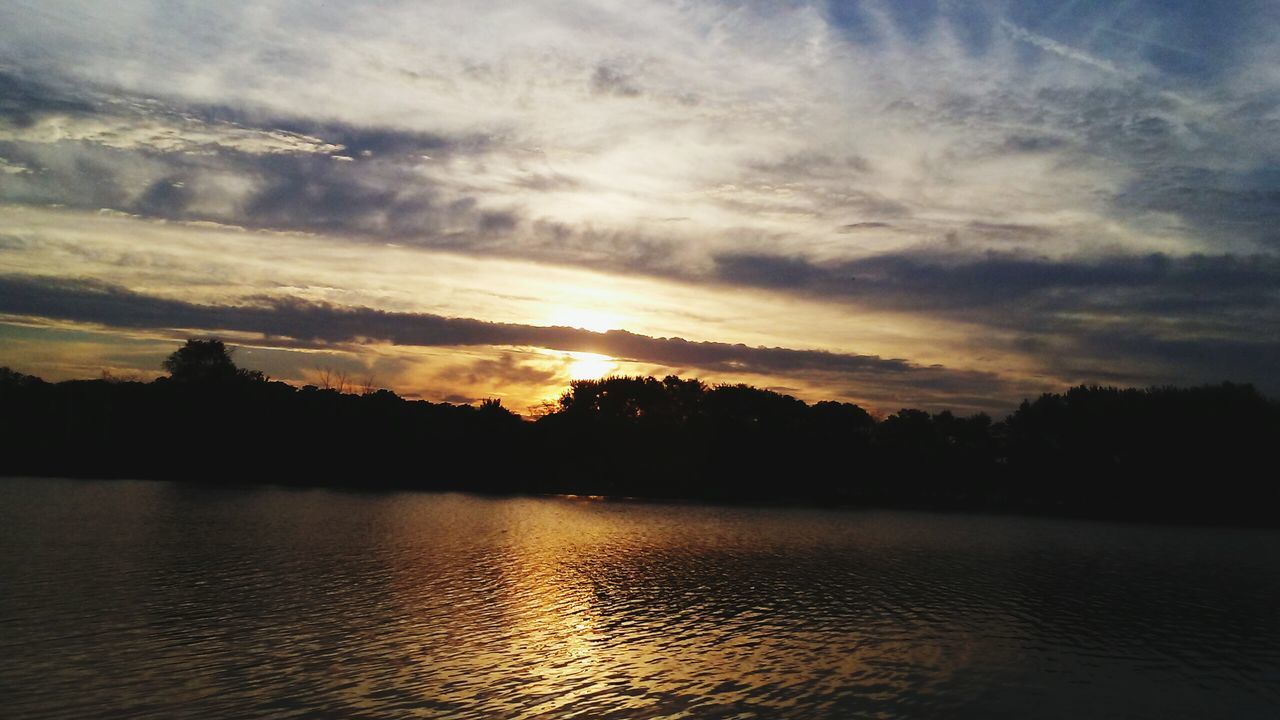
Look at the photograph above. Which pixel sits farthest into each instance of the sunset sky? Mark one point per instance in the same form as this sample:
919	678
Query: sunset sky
944	204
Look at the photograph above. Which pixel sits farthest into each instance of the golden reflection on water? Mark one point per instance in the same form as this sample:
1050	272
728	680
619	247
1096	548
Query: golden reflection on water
587	608
153	600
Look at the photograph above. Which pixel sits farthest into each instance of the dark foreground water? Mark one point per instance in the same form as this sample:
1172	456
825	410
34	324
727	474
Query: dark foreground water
161	600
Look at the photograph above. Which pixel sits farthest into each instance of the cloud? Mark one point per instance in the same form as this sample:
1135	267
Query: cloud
959	281
160	135
859	226
23	101
1219	204
1196	318
11	168
1040	175
608	81
767	271
507	370
1010	232
950	135
90	301
1063	50
1130	357
34	112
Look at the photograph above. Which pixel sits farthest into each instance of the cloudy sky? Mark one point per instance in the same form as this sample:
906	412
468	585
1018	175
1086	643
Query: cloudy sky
909	203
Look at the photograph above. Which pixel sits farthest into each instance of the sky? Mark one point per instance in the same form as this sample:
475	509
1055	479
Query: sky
945	204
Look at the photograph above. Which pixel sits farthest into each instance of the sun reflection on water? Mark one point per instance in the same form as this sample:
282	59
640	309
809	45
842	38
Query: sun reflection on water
450	605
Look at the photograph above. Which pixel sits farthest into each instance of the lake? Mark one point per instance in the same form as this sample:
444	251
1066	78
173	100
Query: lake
151	599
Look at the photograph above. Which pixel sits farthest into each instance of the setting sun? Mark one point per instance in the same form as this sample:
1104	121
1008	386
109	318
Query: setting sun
585	318
590	366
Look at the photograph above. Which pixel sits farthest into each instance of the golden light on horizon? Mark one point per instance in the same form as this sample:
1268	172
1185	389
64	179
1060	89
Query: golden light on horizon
590	366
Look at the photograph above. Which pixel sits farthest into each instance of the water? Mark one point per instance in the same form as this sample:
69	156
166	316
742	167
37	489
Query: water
137	600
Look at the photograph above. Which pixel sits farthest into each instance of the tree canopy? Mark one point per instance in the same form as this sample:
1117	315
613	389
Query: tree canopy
206	361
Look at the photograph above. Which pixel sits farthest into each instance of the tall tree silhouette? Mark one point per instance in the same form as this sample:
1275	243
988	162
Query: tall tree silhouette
206	361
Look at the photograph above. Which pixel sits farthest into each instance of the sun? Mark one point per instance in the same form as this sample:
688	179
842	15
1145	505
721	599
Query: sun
590	366
584	318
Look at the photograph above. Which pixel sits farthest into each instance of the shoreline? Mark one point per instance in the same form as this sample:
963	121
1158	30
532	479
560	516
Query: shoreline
976	510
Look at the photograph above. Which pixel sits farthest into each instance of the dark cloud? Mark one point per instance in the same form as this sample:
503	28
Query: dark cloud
856	227
380	195
85	177
357	141
379	191
1199	318
1009	232
1034	143
1174	161
320	193
768	271
94	302
610	81
1138	356
13	242
508	369
167	197
497	222
547	182
810	165
23	100
1131	121
1220	204
929	279
601	249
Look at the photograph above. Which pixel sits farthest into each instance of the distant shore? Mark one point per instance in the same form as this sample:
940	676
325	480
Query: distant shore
1187	455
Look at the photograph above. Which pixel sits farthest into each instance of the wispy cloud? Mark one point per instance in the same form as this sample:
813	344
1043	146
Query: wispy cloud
1065	51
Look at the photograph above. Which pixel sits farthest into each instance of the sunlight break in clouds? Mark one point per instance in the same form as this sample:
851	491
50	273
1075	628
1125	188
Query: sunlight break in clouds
1013	197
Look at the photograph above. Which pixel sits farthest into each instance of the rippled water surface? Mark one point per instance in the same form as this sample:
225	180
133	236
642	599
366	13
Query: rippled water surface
133	599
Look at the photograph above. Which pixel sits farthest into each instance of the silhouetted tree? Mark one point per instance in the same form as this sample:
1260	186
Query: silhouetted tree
616	399
338	381
743	406
369	385
10	378
206	361
840	417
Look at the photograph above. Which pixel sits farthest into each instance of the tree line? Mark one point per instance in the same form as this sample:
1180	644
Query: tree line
1199	454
